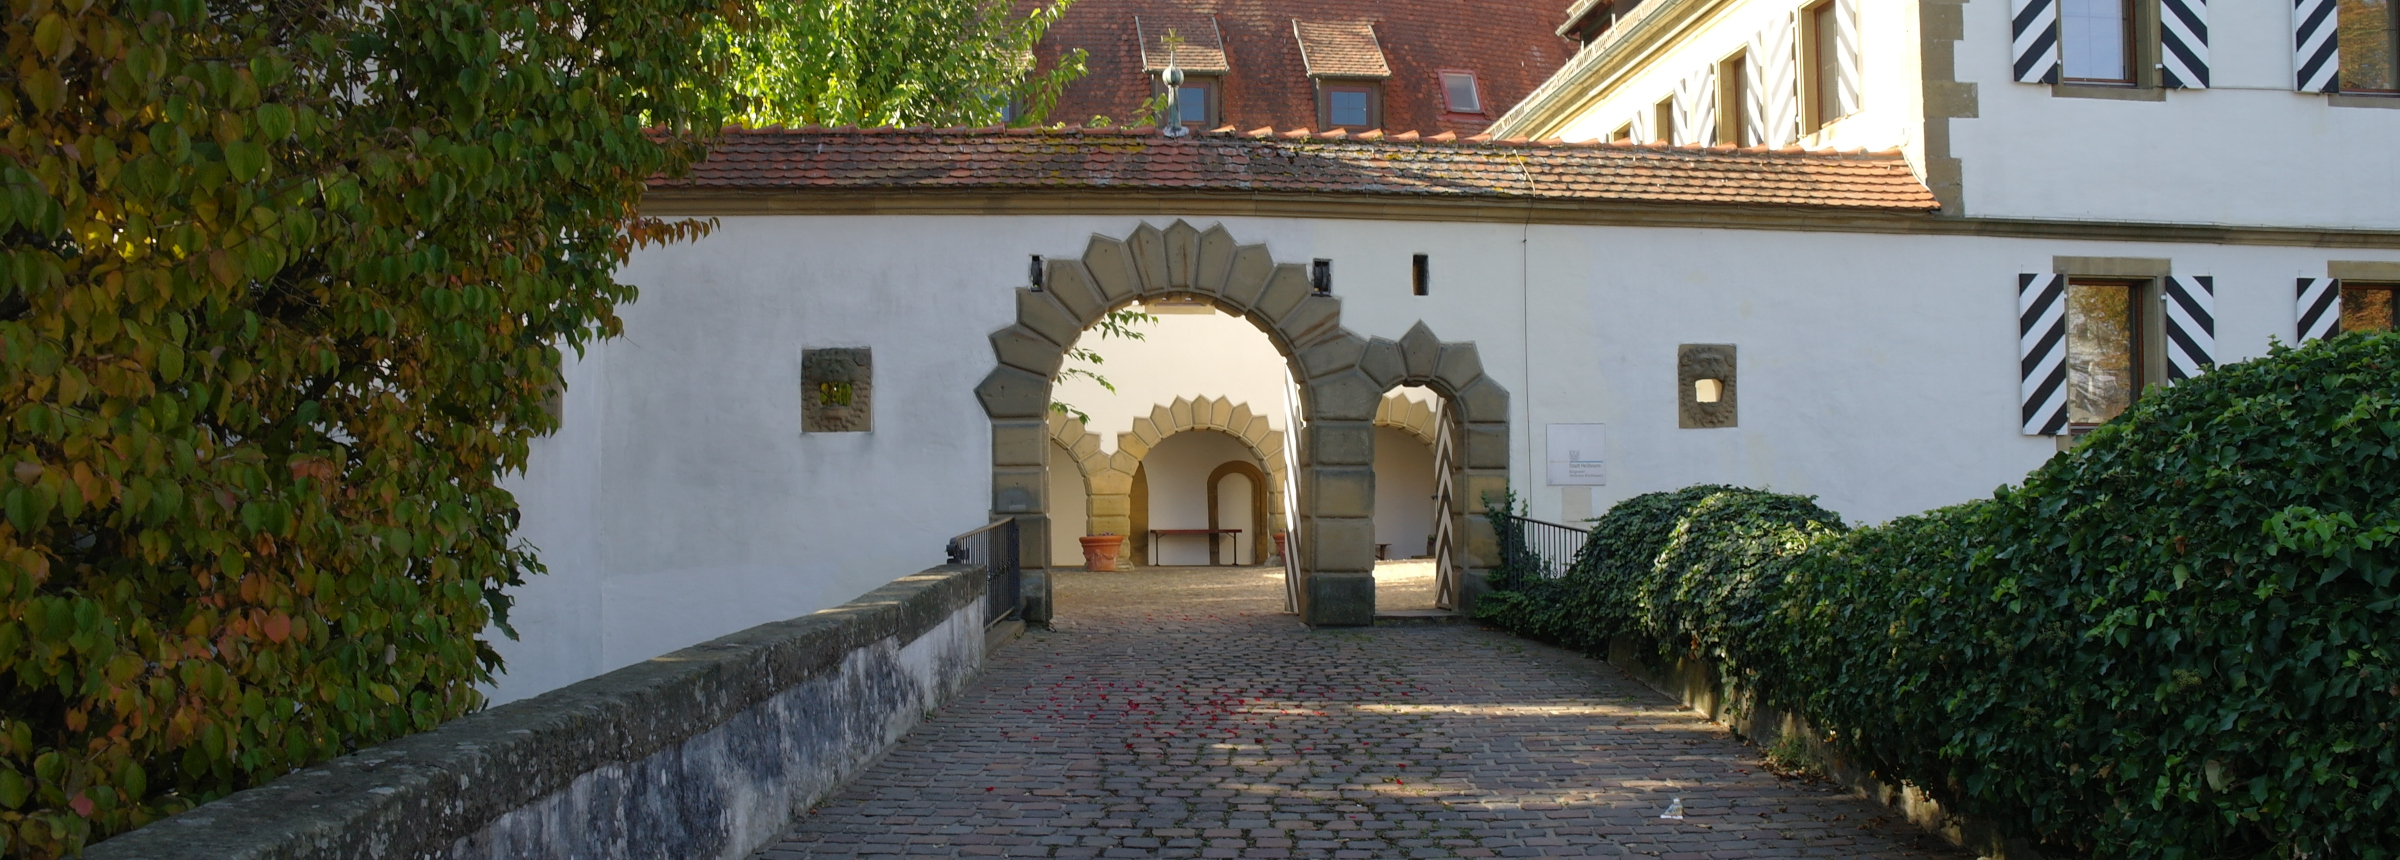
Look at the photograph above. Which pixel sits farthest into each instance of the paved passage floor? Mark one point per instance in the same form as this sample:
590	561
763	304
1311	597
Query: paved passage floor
1177	712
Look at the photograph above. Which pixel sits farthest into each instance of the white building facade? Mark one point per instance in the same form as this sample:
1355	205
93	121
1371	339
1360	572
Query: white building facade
1889	332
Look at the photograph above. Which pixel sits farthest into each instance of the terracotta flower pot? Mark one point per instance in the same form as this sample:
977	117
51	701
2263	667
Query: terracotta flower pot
1279	550
1100	551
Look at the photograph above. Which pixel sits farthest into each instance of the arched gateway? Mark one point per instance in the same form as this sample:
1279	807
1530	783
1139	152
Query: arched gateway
1342	381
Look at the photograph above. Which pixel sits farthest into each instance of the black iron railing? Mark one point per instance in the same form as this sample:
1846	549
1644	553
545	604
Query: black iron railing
994	548
1531	547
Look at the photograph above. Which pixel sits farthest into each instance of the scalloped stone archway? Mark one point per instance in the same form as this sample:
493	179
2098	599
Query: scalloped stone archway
1108	476
1342	376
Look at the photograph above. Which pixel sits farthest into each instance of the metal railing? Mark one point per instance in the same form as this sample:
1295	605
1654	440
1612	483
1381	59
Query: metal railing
1533	547
994	548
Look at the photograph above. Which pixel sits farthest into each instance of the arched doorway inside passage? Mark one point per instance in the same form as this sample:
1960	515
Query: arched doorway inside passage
1097	485
1341	376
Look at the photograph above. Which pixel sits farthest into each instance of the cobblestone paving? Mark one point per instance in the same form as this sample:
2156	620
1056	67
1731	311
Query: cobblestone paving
1179	713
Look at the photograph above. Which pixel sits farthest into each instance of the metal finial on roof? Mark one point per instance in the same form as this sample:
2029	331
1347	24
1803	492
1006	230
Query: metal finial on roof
1170	120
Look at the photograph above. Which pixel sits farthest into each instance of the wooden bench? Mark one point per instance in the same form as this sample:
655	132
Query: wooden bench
1211	534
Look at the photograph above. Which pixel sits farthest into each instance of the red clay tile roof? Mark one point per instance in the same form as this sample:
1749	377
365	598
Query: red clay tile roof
1300	163
1340	49
1202	50
1510	45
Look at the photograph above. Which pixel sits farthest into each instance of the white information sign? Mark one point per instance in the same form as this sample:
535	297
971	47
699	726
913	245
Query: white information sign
1578	455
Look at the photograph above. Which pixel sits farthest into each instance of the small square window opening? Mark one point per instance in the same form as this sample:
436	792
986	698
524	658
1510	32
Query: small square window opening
1458	89
1320	276
1731	99
1623	134
1708	390
1421	274
1662	121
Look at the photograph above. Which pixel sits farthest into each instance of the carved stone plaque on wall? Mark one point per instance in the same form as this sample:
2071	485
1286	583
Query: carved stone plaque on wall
1704	379
837	390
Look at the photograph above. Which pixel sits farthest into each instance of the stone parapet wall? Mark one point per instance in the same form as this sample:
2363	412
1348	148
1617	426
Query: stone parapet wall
707	752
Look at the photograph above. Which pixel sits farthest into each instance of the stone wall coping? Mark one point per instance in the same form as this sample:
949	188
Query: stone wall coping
418	795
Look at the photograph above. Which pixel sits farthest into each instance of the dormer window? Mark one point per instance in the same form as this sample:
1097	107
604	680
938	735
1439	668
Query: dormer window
1346	62
1196	101
1459	93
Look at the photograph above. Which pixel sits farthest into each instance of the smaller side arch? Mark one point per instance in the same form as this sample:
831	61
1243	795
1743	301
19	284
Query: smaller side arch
1259	518
1108	476
1411	417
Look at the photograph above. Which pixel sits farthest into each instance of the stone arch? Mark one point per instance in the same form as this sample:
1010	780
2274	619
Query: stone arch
1108	476
1342	379
1409	416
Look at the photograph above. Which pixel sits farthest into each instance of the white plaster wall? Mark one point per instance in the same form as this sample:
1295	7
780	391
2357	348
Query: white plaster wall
1182	355
681	502
2250	151
1404	485
1890	100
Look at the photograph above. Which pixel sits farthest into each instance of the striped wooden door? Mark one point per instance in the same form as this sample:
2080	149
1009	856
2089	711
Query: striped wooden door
1445	535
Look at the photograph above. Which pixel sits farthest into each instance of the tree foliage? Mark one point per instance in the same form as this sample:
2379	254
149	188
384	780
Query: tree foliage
2180	640
893	63
284	290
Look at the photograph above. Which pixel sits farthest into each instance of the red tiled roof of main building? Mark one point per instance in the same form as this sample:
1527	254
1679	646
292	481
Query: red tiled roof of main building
1511	46
1088	160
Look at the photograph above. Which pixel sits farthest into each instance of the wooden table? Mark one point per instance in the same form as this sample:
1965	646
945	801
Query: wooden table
1212	534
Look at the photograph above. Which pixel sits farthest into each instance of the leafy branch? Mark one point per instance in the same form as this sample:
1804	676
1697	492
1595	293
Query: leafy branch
1116	324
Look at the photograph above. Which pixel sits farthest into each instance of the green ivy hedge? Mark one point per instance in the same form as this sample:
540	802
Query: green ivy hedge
2177	641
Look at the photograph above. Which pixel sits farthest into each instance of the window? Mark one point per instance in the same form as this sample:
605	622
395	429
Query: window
1351	106
1623	134
1662	121
1421	271
2096	41
1730	101
2369	307
1460	94
1196	102
2369	34
2105	366
1821	65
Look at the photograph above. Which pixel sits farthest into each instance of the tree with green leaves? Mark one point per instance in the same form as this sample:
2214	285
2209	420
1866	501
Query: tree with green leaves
283	295
893	62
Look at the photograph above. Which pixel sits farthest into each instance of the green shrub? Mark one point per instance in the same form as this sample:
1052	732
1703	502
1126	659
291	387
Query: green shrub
283	292
2176	641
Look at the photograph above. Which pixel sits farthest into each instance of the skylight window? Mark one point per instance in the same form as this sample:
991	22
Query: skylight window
1458	89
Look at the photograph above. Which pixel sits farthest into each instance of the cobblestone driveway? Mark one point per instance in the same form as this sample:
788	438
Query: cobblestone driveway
1177	713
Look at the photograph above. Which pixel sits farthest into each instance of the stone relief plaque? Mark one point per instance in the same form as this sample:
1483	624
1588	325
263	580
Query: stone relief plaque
837	390
1704	382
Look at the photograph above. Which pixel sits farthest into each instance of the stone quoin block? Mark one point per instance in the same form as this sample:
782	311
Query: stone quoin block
1283	293
1220	413
1086	446
1033	540
1215	261
1382	362
1317	318
1480	484
1094	463
1124	461
1252	266
1042	313
1345	396
1459	366
1021	442
1484	446
1341	443
1339	544
1421	352
1149	248
1341	600
1265	437
1183	252
1012	393
1112	505
1018	346
1071	285
837	390
1342	491
1109	482
1331	354
1180	413
1239	420
1111	525
1018	490
1482	400
1480	543
1112	270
